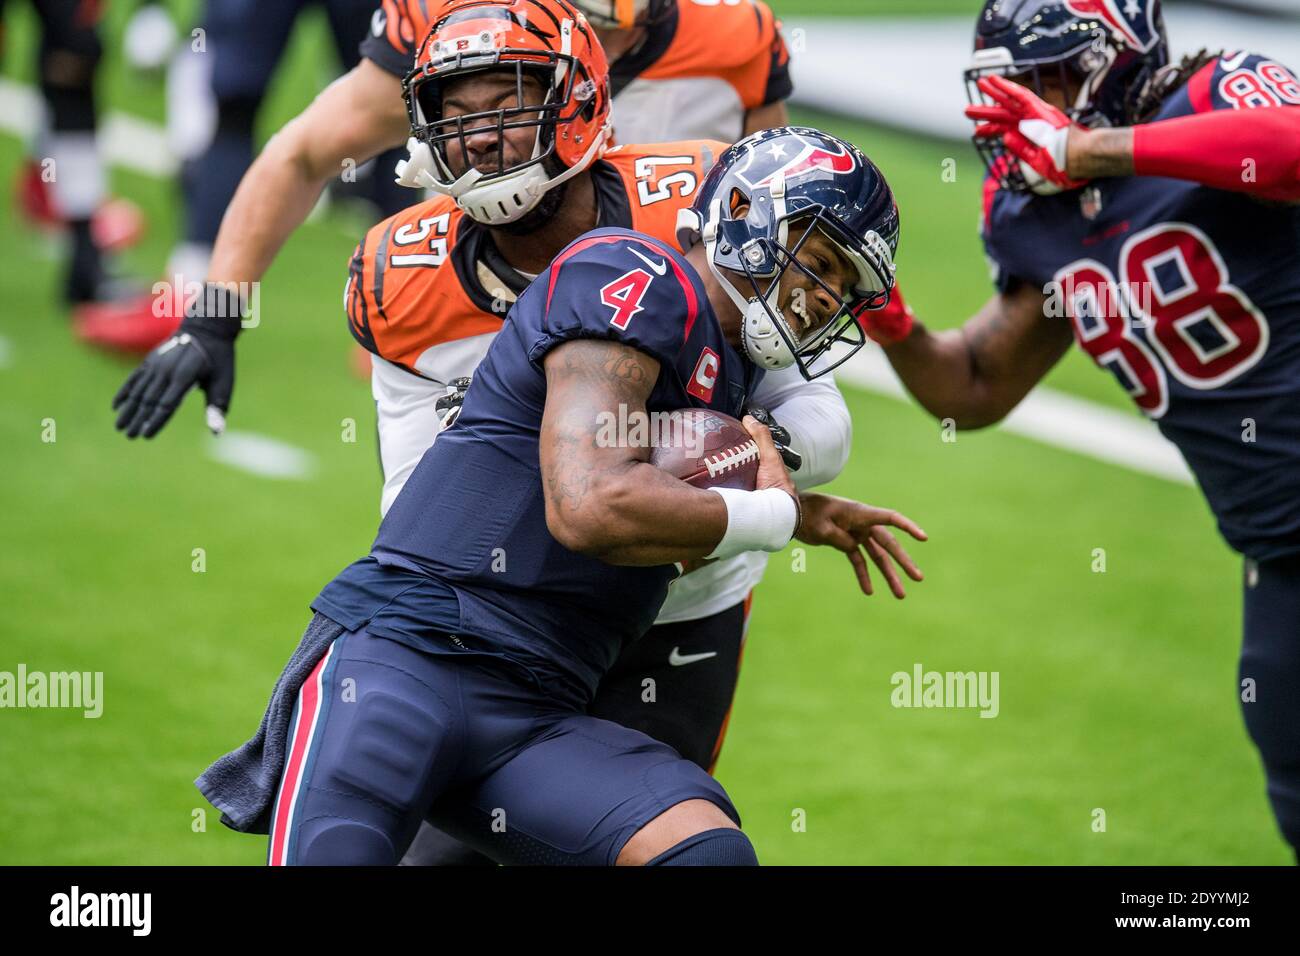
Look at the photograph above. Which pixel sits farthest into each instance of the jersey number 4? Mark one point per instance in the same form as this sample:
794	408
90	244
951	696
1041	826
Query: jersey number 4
1175	286
624	296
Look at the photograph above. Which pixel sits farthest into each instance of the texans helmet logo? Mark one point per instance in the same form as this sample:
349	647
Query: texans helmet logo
1135	22
812	158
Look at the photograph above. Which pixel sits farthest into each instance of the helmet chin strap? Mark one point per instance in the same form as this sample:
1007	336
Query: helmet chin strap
763	343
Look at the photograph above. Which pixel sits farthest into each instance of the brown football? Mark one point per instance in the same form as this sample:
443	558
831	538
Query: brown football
704	448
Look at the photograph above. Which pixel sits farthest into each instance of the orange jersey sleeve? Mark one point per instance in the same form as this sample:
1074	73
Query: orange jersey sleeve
403	295
740	43
661	179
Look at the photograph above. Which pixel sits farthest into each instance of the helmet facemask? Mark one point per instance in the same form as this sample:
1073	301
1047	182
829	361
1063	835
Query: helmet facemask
510	191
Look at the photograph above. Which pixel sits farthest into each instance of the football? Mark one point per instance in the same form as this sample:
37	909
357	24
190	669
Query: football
705	448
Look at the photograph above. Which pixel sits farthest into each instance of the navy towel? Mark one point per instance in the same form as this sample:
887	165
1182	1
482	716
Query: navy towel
243	783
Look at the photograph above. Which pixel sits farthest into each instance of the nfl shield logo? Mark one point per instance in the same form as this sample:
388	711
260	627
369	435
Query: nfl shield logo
1090	203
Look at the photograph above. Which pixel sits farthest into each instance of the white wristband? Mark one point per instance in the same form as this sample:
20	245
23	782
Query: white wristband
756	521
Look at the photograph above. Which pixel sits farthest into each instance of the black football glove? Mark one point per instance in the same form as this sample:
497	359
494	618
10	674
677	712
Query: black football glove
780	436
202	353
449	403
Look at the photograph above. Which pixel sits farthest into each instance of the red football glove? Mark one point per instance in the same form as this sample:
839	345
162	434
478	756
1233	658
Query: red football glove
891	324
1033	131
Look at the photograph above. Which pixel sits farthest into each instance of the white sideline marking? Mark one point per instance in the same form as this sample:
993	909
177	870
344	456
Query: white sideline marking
6	352
262	456
1047	416
1053	418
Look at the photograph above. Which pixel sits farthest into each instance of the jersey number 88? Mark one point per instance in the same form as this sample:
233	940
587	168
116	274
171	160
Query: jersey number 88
1174	284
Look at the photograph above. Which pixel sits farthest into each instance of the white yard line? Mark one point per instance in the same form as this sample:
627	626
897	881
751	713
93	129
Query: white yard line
262	456
1053	418
1046	416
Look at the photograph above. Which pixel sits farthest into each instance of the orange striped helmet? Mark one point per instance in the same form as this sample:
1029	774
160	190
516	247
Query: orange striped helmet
549	40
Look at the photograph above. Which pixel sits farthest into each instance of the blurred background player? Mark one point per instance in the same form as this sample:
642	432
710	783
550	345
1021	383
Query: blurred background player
64	185
1151	211
364	112
216	89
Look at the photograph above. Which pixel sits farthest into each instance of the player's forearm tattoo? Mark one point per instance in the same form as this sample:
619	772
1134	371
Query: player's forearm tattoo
568	480
626	366
593	377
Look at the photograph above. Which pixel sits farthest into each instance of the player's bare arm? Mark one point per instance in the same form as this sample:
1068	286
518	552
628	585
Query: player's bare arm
978	373
282	185
766	117
610	502
273	199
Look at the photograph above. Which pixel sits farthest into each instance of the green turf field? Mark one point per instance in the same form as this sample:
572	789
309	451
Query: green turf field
1117	689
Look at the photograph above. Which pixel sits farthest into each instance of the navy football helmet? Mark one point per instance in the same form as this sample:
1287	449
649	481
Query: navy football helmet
795	175
1102	53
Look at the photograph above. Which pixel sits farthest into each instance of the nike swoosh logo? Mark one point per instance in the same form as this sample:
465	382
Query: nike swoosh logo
660	268
1236	61
677	659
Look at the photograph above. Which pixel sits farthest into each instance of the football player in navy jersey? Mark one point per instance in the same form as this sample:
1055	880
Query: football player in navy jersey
525	552
1150	211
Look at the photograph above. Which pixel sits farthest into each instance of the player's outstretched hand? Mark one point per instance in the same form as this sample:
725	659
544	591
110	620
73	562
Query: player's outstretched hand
201	353
852	527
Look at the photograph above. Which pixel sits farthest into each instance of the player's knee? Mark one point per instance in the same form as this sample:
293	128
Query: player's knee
337	842
679	823
725	846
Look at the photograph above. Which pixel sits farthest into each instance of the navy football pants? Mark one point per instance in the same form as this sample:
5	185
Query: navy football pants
1270	657
382	730
693	667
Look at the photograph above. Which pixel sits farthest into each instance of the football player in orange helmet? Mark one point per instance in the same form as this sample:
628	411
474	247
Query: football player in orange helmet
670	67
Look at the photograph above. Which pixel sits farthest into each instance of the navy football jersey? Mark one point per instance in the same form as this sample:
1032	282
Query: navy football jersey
1190	297
472	517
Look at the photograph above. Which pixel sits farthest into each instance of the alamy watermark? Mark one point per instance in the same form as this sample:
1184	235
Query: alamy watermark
75	908
227	300
946	689
633	428
77	690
